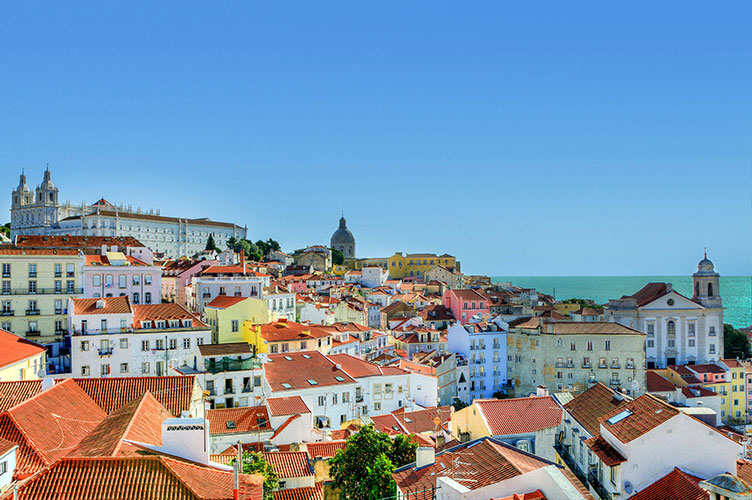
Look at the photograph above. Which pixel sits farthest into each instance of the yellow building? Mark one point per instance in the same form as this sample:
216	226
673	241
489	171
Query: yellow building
725	378
736	391
227	315
36	285
361	263
288	336
418	264
21	359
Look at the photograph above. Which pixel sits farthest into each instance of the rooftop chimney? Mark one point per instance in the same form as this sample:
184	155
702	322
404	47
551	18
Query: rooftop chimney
424	455
542	391
100	304
186	438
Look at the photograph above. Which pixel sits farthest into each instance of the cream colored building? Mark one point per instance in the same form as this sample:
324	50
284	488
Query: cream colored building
571	356
35	287
21	359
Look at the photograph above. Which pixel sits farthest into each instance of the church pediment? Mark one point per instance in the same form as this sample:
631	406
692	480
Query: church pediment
672	300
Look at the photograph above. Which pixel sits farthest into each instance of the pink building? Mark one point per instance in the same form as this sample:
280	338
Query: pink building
176	276
465	304
708	373
115	274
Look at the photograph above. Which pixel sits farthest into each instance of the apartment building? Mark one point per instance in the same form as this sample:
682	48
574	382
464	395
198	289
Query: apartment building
115	274
570	356
227	280
484	346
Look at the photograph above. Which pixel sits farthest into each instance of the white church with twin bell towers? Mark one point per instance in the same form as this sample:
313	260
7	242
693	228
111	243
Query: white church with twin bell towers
678	330
39	211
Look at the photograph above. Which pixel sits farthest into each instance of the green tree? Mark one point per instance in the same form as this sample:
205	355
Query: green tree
255	463
232	243
500	395
338	257
263	247
368	449
273	245
5	229
735	343
458	405
211	244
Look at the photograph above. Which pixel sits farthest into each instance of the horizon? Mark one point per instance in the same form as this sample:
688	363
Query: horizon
548	140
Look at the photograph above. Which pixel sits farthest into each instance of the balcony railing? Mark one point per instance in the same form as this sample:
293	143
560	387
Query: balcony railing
599	488
105	352
586	365
566	455
358	399
560	364
615	366
231	365
101	331
7	312
42	291
33	333
614	381
630	366
33	312
603	366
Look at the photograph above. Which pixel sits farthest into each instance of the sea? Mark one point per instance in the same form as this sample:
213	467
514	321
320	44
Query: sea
736	291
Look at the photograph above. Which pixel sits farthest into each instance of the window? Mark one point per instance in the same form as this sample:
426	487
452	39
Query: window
136	279
3	467
58	307
710	289
104	370
70	270
85	371
651	343
651	329
6	287
285	347
589	346
303	344
173	344
608	345
6	270
108	281
274	348
377	406
147	298
691	329
559	343
32	287
160	345
58	286
32	270
84	345
122	281
711	349
136	298
691	342
334	398
96	280
322	400
234	325
711	331
671	343
144	345
145	367
186	343
147	279
123	367
671	328
345	397
572	347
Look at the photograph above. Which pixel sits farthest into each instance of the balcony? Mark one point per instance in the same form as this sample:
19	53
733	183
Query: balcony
596	484
42	291
630	366
105	351
615	366
32	312
586	365
6	312
566	456
247	389
231	365
570	364
614	382
358	399
560	364
33	333
602	366
102	331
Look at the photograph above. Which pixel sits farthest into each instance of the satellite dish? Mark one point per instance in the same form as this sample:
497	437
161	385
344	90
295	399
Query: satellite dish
635	386
41	373
628	487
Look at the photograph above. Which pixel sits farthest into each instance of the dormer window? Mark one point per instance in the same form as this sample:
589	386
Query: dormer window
146	324
174	323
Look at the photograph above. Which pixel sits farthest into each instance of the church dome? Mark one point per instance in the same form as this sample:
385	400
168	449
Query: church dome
343	235
705	266
47	181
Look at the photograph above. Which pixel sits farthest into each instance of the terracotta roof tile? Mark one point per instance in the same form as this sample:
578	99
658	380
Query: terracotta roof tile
207	350
648	293
289	464
291	405
304	493
289	330
225	301
676	485
607	453
520	415
592	404
112	393
298	369
112	305
417	422
14	349
325	449
238	420
144	477
69	241
4	250
165	312
656	383
647	412
13	393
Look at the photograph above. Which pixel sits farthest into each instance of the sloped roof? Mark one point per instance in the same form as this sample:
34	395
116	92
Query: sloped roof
359	368
603	450
290	405
225	349
164	311
304	493
112	393
647	412
592	404
143	477
69	241
238	420
298	368
225	301
656	383
676	485
14	349
519	415
13	393
280	331
325	449
112	305
648	293
417	422
289	464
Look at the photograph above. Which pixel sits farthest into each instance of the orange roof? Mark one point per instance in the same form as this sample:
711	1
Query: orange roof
297	370
69	241
519	415
359	368
143	477
8	250
420	421
592	404
165	311
13	393
112	393
609	455
290	405
289	464
49	425
280	331
14	349
139	421
647	412
676	485
222	270
533	495
304	493
225	301
102	260
656	383
325	449
238	420
112	305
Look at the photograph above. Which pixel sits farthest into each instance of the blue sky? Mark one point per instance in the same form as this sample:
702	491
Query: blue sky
550	138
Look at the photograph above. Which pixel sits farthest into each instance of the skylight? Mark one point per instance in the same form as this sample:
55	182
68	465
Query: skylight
230	424
286	385
306	356
338	378
312	382
288	358
619	417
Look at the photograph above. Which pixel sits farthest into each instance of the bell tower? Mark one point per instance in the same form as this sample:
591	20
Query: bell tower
33	212
706	284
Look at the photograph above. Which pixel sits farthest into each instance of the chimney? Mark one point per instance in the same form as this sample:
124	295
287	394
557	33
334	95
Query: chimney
100	304
541	391
669	287
186	438
424	455
242	260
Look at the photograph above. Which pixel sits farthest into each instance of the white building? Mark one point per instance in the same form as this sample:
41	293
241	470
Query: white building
40	212
679	330
111	337
115	274
484	346
373	276
281	302
227	280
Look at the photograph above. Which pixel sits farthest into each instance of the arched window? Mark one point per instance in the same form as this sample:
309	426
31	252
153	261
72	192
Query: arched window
51	197
697	289
710	289
671	328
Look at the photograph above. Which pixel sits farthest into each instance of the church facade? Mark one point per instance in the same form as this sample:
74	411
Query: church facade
343	240
39	211
679	330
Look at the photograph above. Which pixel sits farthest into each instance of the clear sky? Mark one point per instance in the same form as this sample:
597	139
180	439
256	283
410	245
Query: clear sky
526	138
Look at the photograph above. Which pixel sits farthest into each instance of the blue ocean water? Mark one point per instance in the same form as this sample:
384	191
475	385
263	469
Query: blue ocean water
736	291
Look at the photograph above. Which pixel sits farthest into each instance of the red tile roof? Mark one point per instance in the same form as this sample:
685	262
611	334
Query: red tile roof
519	415
706	368
304	493
281	331
656	383
238	420
103	260
648	293
69	241
340	434
222	270
49	425
13	393
359	368
8	250
676	485
417	422
697	392
14	349
6	446
165	312
225	301
298	368
139	421
112	305
289	464
325	449
533	495
112	393
290	405
607	453
647	412
225	349
388	424
588	407
144	477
